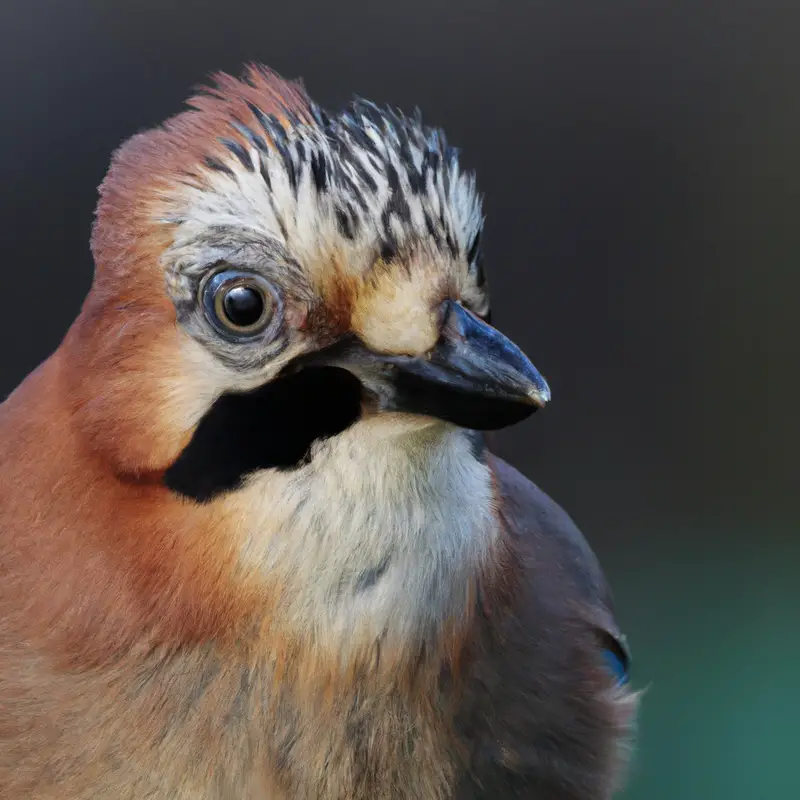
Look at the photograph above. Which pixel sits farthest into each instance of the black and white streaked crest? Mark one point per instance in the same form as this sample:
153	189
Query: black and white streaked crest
380	169
371	180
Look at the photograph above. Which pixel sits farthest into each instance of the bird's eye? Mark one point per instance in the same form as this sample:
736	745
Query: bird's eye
240	304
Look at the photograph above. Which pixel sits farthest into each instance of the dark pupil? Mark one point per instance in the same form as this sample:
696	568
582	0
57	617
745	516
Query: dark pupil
243	306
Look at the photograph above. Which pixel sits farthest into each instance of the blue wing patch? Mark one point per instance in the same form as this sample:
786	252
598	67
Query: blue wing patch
617	665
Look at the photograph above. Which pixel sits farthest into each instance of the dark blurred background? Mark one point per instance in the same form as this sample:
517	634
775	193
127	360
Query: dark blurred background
641	166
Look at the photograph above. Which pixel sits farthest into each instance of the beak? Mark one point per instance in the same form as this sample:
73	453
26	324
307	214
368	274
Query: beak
473	377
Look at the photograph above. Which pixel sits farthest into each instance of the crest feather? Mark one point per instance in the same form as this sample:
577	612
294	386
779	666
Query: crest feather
259	87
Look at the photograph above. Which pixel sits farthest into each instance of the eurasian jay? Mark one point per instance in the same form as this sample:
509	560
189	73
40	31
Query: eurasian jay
252	543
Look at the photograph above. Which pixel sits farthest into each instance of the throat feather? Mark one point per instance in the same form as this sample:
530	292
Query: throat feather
379	537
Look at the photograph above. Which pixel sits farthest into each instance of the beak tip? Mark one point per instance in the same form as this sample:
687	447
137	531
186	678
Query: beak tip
539	396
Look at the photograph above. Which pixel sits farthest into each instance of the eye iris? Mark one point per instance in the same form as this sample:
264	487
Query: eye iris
243	306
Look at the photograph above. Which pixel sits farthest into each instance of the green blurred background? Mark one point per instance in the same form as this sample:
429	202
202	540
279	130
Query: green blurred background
641	162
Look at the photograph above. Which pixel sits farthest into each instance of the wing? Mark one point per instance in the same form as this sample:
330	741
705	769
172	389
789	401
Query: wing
549	712
551	538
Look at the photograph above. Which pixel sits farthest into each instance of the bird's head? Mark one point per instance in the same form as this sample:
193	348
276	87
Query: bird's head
268	276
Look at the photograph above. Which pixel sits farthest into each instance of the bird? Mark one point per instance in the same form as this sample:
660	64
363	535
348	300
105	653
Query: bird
253	541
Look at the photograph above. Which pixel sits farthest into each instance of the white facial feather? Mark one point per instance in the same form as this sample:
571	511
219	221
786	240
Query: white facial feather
369	179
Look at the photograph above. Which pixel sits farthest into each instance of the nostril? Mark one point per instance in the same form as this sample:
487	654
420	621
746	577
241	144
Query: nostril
459	322
454	319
